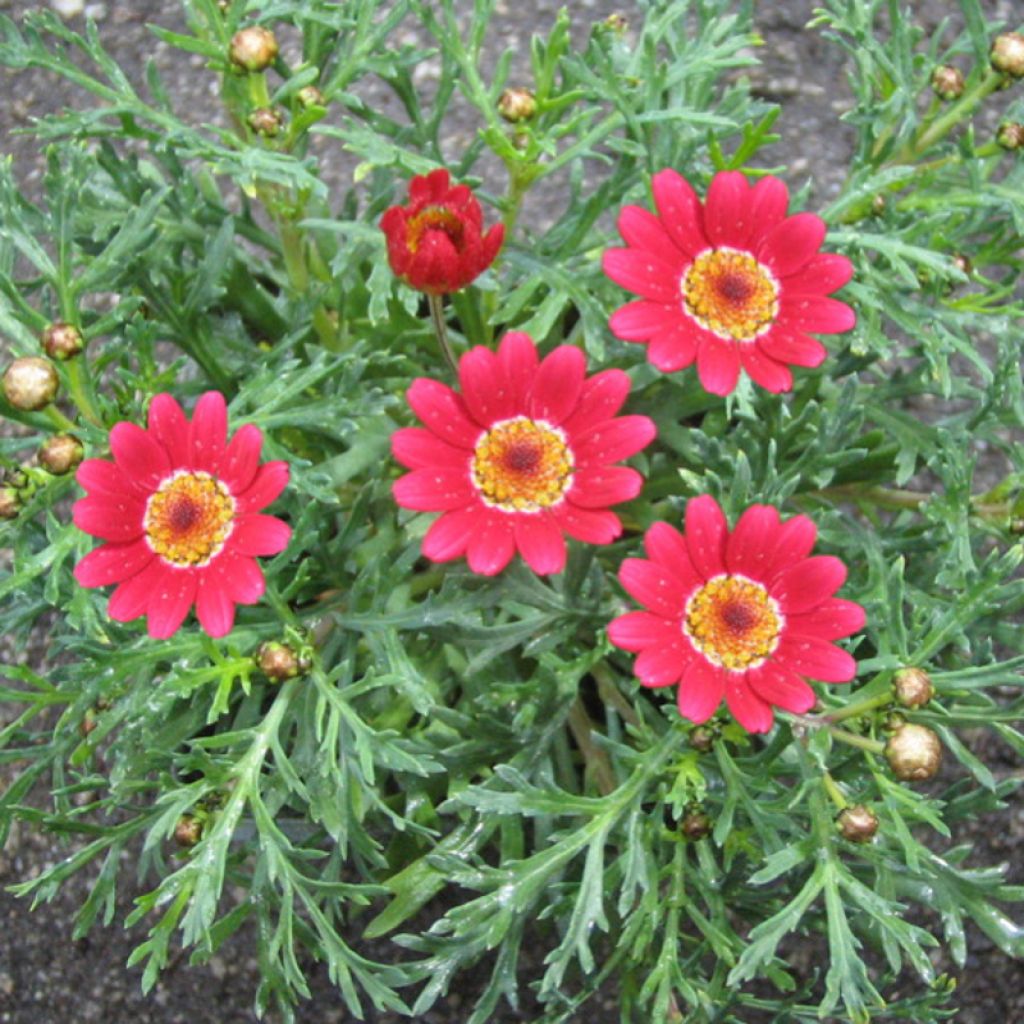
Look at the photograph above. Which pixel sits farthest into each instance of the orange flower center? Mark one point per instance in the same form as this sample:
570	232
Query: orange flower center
432	218
733	622
729	293
188	518
522	465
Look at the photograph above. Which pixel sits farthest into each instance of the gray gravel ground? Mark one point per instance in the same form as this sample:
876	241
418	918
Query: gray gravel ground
48	978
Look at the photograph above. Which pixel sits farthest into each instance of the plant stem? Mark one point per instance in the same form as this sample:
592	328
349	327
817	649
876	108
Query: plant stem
436	303
610	694
595	759
833	790
852	710
80	388
854	740
895	498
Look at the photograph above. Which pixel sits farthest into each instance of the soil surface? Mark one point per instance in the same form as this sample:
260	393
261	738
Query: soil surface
48	978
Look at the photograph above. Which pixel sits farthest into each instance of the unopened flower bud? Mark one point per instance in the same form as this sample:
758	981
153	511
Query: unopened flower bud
695	825
1007	54
913	687
858	824
1010	135
10	503
87	724
188	831
61	453
253	48
310	96
963	264
30	383
702	738
265	121
878	204
279	662
517	105
914	752
62	341
616	23
947	82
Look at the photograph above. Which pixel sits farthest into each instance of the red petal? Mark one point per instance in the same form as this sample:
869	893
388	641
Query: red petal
749	549
418	448
727	210
426	187
208	433
116	519
816	313
434	490
706	534
242	459
718	364
641	320
667	546
270	480
791	245
793	544
777	685
131	598
170	602
168	426
102	478
558	384
680	211
592	526
746	706
640	229
787	345
826	272
636	630
437	266
654	587
764	370
831	620
517	355
644	273
139	457
602	397
241	576
613	440
663	665
769	200
540	542
259	535
491	545
807	584
484	389
815	658
675	349
700	691
214	608
449	535
602	486
443	412
112	563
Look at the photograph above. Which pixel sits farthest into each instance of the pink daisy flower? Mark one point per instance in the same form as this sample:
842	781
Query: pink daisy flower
733	284
179	510
744	615
523	456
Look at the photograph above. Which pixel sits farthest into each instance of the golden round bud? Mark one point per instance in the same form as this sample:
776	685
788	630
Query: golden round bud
858	824
310	96
253	48
1010	135
517	105
1007	54
61	453
913	687
702	739
188	831
10	503
947	82
266	121
30	383
695	825
62	341
279	662
914	752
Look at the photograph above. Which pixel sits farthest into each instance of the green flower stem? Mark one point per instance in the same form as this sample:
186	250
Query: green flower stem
834	792
855	740
860	708
81	390
58	419
609	693
894	498
595	759
436	303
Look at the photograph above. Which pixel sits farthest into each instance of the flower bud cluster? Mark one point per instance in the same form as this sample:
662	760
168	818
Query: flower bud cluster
30	383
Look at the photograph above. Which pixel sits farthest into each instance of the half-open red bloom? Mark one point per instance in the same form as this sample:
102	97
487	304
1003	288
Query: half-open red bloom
436	242
179	509
520	458
744	615
732	284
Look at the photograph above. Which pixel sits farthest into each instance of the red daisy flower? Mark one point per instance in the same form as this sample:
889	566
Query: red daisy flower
179	509
436	242
521	457
744	615
733	283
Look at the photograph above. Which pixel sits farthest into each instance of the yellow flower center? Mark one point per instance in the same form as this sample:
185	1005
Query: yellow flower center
522	465
733	622
432	218
188	518
729	293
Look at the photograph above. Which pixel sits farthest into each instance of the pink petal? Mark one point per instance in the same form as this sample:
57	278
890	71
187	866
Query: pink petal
517	355
793	544
763	370
718	364
769	200
640	229
491	545
600	399
214	607
807	584
434	490
241	577
602	486
680	211
592	526
443	412
449	535
641	320
139	457
112	563
749	549
727	218
815	658
746	706
675	349
787	345
706	534
636	630
643	273
558	385
540	542
484	389
613	440
259	535
208	433
102	478
667	546
168	426
830	620
131	598
654	587
816	313
270	480
170	602
777	685
826	272
116	519
791	245
663	665
418	448
242	459
700	691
